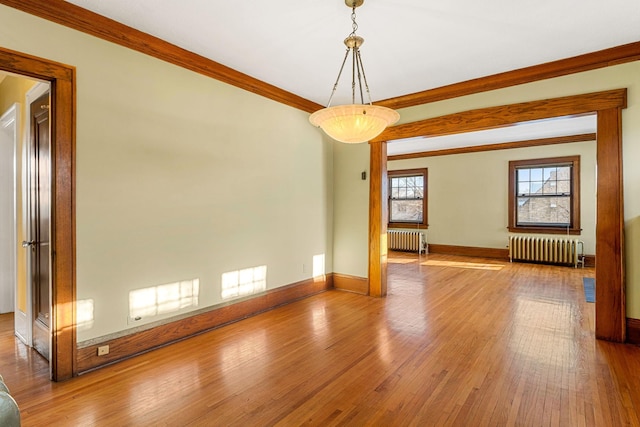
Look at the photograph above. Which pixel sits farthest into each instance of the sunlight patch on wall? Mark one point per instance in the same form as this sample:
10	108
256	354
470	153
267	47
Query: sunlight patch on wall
163	299
84	314
318	265
244	282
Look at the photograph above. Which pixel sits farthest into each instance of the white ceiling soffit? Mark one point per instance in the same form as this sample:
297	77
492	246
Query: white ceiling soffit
410	45
536	129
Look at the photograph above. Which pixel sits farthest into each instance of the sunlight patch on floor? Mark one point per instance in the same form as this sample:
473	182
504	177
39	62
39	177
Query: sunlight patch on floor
459	264
401	260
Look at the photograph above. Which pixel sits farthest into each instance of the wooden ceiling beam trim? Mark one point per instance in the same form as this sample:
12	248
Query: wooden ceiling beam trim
589	61
77	18
504	115
498	146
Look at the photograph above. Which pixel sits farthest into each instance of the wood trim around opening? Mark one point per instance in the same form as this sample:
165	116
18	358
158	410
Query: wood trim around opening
575	196
425	202
63	287
610	272
504	115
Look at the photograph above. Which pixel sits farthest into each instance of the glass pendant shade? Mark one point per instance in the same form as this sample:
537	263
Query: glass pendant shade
354	123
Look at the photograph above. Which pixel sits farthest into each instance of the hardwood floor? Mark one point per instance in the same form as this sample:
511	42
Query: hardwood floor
457	342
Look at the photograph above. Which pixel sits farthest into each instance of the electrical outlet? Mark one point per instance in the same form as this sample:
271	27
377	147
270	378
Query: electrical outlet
103	350
132	320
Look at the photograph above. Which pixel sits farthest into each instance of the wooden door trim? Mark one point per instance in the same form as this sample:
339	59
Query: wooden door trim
62	80
610	275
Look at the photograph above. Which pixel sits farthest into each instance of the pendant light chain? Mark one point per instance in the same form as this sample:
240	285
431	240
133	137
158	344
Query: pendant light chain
354	123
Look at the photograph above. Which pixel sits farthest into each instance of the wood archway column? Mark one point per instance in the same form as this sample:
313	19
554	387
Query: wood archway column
378	214
610	268
608	105
63	279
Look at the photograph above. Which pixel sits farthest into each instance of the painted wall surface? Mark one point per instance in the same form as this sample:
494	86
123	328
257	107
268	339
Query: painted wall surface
615	77
351	209
14	89
468	193
181	178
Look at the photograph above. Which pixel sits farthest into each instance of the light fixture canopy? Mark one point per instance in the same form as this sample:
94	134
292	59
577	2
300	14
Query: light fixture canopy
354	123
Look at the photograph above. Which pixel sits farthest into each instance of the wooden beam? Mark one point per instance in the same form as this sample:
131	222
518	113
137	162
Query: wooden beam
590	61
378	219
500	146
610	269
504	115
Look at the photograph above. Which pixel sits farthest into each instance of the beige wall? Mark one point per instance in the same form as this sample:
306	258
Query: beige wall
14	89
468	193
180	177
620	76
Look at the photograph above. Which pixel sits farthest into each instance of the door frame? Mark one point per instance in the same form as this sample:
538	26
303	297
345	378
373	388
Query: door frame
607	105
62	364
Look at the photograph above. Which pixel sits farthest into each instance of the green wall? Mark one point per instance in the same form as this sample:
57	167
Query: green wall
180	177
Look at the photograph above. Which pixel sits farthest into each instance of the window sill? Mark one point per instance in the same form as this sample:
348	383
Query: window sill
546	230
407	225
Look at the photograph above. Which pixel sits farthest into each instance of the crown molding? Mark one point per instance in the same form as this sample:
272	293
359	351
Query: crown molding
77	18
88	22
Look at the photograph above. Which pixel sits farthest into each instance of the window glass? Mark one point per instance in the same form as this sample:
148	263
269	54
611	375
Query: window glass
407	201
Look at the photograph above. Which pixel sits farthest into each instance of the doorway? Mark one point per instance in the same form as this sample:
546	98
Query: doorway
61	79
25	181
610	268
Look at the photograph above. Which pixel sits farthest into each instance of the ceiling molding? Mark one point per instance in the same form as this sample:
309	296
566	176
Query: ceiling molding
590	61
88	22
72	16
500	146
495	117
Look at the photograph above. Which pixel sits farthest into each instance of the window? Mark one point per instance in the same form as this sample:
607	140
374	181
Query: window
408	198
544	195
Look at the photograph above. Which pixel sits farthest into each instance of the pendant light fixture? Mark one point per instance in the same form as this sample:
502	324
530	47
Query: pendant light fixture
354	123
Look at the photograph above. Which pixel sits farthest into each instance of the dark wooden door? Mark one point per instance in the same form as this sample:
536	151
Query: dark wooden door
40	218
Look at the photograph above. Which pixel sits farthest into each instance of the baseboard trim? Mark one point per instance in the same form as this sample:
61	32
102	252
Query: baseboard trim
633	331
345	282
502	254
590	261
136	343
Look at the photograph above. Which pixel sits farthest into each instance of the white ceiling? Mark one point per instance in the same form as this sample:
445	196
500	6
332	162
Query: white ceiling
410	45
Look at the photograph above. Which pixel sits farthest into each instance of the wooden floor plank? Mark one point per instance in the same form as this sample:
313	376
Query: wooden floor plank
458	341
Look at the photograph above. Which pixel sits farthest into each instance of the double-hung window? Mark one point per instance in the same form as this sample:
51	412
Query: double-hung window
408	198
544	195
